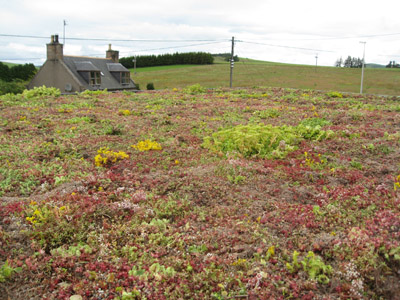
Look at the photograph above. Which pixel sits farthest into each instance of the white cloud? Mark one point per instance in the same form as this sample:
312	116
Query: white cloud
301	24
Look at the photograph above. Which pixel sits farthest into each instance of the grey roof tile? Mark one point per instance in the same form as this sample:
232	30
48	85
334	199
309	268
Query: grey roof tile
78	64
85	66
116	67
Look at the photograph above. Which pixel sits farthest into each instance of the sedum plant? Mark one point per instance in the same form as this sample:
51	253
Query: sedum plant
254	140
265	141
106	157
313	265
41	91
147	145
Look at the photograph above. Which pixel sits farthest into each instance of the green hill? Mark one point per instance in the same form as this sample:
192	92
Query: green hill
375	66
249	73
9	64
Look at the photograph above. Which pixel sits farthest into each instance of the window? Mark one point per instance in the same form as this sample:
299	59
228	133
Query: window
94	78
125	77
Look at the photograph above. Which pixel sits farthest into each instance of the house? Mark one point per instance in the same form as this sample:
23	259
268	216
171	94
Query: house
73	74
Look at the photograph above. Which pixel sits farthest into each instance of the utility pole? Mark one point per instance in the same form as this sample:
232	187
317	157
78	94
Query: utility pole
65	24
362	68
134	65
232	60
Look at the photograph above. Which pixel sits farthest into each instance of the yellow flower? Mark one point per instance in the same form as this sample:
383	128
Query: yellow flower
147	145
124	112
31	219
106	156
271	251
239	262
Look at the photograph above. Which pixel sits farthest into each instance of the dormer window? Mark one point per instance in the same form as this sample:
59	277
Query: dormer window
89	72
125	77
120	73
94	78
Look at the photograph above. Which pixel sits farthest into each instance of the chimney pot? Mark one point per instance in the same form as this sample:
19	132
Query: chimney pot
54	49
112	54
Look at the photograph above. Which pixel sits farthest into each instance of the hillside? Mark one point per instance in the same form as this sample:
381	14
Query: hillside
252	193
250	73
10	64
375	66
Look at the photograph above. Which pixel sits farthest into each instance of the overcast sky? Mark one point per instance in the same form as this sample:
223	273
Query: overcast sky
289	31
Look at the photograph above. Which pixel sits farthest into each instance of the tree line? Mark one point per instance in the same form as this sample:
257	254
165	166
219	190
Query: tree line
21	72
13	79
393	64
353	62
349	62
189	58
227	56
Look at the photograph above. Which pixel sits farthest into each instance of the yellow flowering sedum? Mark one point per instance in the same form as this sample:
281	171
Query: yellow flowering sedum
147	145
397	183
106	157
124	112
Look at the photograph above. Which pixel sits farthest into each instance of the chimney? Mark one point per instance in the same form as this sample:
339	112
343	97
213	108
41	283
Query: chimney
112	54
54	49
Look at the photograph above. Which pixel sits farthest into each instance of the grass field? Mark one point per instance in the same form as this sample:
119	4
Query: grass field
250	73
9	64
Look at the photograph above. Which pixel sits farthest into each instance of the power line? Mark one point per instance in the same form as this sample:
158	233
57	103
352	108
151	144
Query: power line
353	37
141	50
153	49
113	40
390	55
164	48
29	58
179	44
23	36
287	47
194	40
332	37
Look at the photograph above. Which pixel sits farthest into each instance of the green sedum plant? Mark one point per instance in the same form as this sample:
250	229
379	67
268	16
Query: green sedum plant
6	272
254	140
72	250
265	141
334	95
268	113
88	93
315	122
41	91
316	268
194	89
313	265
